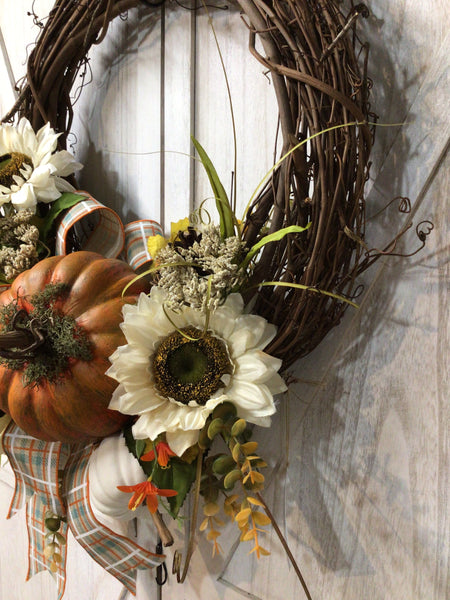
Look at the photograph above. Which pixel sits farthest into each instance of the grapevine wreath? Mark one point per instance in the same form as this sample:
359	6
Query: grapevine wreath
214	365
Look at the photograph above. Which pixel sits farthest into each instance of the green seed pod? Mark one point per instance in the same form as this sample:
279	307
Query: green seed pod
238	427
61	539
203	440
231	478
210	509
52	524
215	428
224	411
223	464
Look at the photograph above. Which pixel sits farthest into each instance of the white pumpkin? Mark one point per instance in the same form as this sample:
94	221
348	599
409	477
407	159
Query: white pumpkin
110	465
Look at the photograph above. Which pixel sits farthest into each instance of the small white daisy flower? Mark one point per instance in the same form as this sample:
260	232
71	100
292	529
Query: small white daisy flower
31	170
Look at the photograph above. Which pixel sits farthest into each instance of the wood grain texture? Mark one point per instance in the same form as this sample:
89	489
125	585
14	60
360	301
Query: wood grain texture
359	450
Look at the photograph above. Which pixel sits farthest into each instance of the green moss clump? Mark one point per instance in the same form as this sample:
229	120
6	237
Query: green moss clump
64	339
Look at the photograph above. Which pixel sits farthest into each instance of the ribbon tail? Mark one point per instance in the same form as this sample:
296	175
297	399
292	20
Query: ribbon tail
23	490
117	554
36	465
37	541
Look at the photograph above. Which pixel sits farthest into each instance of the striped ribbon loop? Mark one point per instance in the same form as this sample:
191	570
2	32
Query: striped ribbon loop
136	236
117	554
93	227
97	228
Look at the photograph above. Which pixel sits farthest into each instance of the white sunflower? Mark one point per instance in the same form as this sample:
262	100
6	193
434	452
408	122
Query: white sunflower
30	169
174	380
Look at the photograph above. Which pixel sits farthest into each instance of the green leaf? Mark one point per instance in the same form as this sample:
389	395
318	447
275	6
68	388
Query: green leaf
225	411
65	201
140	447
238	427
132	444
272	237
231	478
224	209
215	427
203	439
223	464
178	476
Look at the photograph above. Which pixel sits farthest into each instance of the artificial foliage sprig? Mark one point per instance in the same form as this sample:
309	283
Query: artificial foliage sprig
54	540
221	474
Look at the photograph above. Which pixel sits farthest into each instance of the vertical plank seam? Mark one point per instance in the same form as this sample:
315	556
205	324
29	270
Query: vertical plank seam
193	105
8	65
162	124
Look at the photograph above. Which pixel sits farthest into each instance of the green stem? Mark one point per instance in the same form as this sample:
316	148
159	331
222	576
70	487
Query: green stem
285	545
176	568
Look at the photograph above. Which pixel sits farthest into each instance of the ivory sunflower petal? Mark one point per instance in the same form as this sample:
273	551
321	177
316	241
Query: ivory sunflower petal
65	164
256	366
24	197
147	427
180	440
276	384
48	193
254	399
193	419
139	402
63	185
260	421
40	175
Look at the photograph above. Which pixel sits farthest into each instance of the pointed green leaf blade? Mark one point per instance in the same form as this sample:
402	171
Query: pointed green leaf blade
222	202
65	201
272	237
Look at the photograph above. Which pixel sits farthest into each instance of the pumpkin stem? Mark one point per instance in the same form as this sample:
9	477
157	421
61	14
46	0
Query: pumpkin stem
22	339
14	339
42	341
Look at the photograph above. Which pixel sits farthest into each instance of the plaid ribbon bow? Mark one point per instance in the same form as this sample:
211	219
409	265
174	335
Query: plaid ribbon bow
53	476
98	228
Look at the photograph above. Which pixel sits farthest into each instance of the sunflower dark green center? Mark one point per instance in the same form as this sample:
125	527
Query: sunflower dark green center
189	365
10	165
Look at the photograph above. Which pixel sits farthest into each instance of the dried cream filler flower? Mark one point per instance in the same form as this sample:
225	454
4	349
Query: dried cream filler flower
172	374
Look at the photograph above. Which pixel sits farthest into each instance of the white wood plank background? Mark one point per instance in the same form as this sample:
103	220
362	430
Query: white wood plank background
363	488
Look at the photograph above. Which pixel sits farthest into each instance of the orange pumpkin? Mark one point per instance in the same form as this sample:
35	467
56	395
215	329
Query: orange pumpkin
74	407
